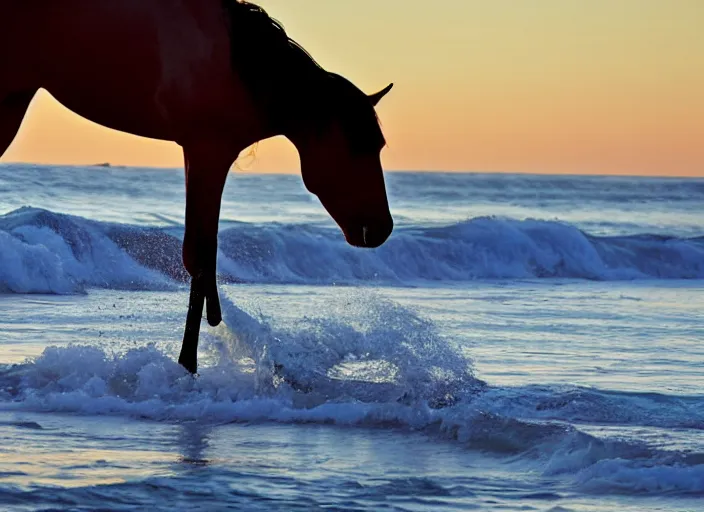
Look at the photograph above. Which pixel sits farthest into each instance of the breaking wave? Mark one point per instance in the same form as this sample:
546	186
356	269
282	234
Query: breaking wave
46	252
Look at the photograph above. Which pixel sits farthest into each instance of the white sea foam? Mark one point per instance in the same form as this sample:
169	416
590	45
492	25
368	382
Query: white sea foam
377	365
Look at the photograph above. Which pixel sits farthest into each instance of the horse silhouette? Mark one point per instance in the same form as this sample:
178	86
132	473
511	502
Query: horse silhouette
214	76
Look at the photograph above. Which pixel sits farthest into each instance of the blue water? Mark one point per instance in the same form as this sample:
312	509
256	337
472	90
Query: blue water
521	342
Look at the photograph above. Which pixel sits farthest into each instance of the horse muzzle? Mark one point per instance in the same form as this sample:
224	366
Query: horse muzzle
370	233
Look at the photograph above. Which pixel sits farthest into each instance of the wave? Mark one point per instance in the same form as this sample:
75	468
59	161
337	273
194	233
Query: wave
46	252
387	369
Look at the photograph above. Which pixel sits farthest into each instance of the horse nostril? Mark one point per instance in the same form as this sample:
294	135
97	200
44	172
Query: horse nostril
375	235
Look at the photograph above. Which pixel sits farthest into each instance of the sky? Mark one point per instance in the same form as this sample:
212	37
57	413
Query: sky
542	86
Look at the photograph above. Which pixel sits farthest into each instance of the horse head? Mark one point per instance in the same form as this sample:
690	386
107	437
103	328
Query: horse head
331	122
341	163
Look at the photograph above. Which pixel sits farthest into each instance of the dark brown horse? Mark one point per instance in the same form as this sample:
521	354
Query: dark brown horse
214	76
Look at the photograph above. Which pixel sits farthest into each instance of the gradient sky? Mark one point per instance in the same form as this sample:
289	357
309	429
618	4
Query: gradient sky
548	86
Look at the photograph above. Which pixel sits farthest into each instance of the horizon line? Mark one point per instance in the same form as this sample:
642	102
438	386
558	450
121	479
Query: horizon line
234	168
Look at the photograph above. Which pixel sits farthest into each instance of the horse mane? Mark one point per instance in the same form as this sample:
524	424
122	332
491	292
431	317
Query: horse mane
288	84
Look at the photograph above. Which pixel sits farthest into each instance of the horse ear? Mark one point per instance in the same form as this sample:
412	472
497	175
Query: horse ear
376	97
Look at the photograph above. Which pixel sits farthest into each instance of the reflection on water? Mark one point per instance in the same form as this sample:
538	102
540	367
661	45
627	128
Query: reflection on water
193	441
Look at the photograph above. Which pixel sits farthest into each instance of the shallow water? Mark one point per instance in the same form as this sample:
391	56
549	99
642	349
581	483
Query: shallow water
521	343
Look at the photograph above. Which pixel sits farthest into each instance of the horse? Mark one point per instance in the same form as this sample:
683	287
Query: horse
215	77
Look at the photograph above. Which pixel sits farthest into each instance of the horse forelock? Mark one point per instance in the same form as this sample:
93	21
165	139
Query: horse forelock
289	86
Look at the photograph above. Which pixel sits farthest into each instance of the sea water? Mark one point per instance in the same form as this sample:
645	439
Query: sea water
521	342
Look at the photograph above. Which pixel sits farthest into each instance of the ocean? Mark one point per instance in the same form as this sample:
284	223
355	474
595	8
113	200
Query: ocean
521	342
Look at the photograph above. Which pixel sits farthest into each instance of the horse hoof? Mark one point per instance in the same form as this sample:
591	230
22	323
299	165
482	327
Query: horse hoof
190	366
214	320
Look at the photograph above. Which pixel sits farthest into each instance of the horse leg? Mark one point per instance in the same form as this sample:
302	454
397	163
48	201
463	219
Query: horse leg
207	166
12	110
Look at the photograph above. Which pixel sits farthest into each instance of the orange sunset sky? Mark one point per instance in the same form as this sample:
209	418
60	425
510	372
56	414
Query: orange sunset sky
547	86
